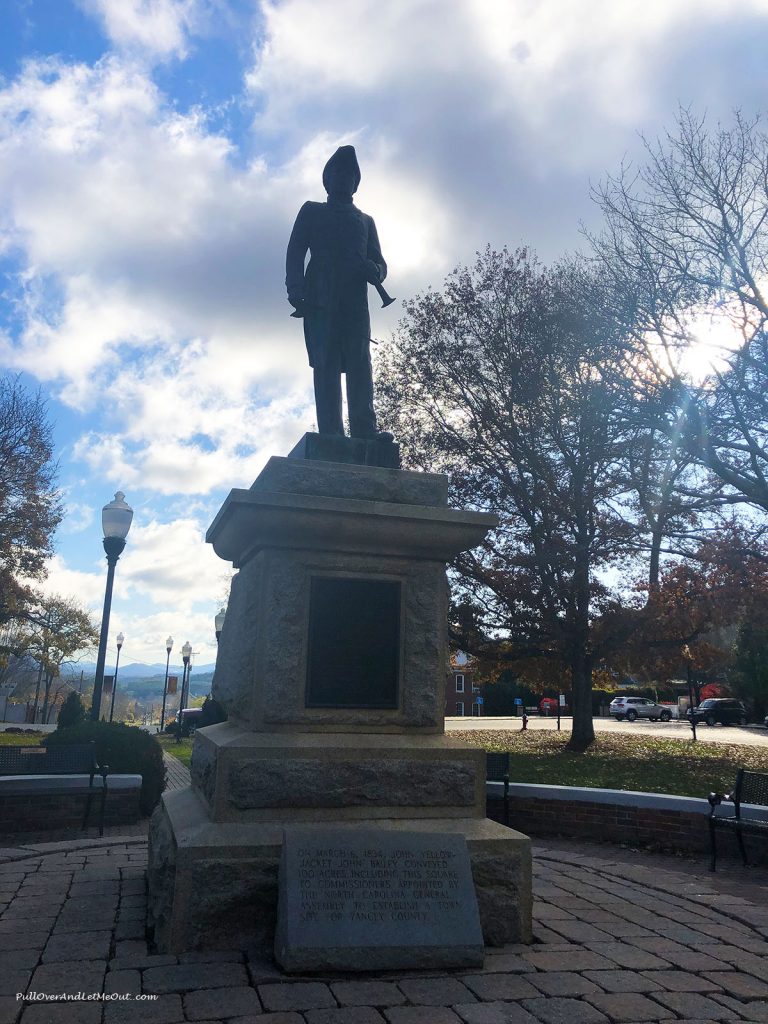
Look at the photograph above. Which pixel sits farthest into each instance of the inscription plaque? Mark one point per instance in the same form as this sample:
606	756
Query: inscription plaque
354	643
374	899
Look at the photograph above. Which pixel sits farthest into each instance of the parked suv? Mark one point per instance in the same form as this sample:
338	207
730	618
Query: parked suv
720	709
632	708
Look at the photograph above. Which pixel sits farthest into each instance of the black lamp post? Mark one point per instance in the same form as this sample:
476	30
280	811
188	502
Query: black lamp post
120	641
116	521
691	699
219	622
168	649
186	654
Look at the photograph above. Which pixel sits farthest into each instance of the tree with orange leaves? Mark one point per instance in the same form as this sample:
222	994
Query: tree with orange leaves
699	604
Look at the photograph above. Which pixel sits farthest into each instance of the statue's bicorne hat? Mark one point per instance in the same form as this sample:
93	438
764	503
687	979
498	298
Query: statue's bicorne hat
346	156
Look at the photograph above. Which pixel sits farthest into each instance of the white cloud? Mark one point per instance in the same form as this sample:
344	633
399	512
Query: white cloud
528	57
145	637
149	246
170	564
188	432
154	275
507	144
85	587
167	581
135	225
79	345
150	294
164	563
77	517
159	28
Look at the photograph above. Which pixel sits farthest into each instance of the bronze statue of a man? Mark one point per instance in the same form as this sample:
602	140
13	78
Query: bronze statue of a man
332	296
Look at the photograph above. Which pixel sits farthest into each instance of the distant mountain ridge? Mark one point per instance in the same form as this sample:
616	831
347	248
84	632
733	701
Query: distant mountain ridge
143	683
134	670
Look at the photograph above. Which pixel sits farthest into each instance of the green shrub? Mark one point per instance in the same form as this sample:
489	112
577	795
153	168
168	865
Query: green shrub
213	713
72	712
125	750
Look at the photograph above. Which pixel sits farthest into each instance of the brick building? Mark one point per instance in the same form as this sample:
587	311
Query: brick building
462	697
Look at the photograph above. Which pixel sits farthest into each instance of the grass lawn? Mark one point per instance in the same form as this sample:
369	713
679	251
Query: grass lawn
612	762
20	739
640	763
183	750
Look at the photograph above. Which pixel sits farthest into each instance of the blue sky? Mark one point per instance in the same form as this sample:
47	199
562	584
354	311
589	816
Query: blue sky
153	155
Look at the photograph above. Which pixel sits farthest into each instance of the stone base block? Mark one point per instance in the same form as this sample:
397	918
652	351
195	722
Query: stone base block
356	450
214	886
291	657
371	900
247	776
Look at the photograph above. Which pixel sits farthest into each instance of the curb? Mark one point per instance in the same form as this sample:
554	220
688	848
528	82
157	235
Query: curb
10	855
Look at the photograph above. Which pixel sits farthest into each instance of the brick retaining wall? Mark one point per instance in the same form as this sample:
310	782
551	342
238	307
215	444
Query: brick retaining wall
647	820
636	825
43	812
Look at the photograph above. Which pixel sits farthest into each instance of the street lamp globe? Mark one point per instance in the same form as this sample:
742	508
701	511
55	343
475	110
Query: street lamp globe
168	648
120	641
116	517
186	654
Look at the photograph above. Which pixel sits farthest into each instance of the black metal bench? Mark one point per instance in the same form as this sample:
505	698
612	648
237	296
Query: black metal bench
497	770
56	762
751	788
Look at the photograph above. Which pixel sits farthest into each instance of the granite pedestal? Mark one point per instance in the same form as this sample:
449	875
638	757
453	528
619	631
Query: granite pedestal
329	722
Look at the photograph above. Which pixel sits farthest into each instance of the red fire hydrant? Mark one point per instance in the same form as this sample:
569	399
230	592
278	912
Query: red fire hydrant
525	722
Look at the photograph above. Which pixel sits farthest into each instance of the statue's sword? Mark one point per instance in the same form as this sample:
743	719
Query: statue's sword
386	300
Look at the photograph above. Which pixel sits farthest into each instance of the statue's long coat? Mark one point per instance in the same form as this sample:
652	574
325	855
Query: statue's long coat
340	238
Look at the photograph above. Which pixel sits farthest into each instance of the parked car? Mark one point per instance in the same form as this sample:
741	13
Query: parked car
190	719
725	710
632	708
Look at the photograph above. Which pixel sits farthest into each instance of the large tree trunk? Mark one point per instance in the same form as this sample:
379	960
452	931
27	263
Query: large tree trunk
583	732
37	693
48	681
654	565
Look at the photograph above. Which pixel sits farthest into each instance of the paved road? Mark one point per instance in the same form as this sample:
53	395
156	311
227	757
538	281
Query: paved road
749	736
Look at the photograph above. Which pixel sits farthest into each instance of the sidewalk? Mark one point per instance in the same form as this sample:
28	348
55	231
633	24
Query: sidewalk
176	774
621	937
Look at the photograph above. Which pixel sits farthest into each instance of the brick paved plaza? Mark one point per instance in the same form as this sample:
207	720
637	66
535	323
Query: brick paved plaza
620	936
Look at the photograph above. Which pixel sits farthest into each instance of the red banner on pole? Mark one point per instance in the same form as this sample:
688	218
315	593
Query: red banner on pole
173	682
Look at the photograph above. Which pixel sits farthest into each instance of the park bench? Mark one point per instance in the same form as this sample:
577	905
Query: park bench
497	770
751	789
60	770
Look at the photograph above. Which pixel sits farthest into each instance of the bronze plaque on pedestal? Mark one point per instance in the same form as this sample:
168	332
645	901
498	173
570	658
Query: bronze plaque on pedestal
354	643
